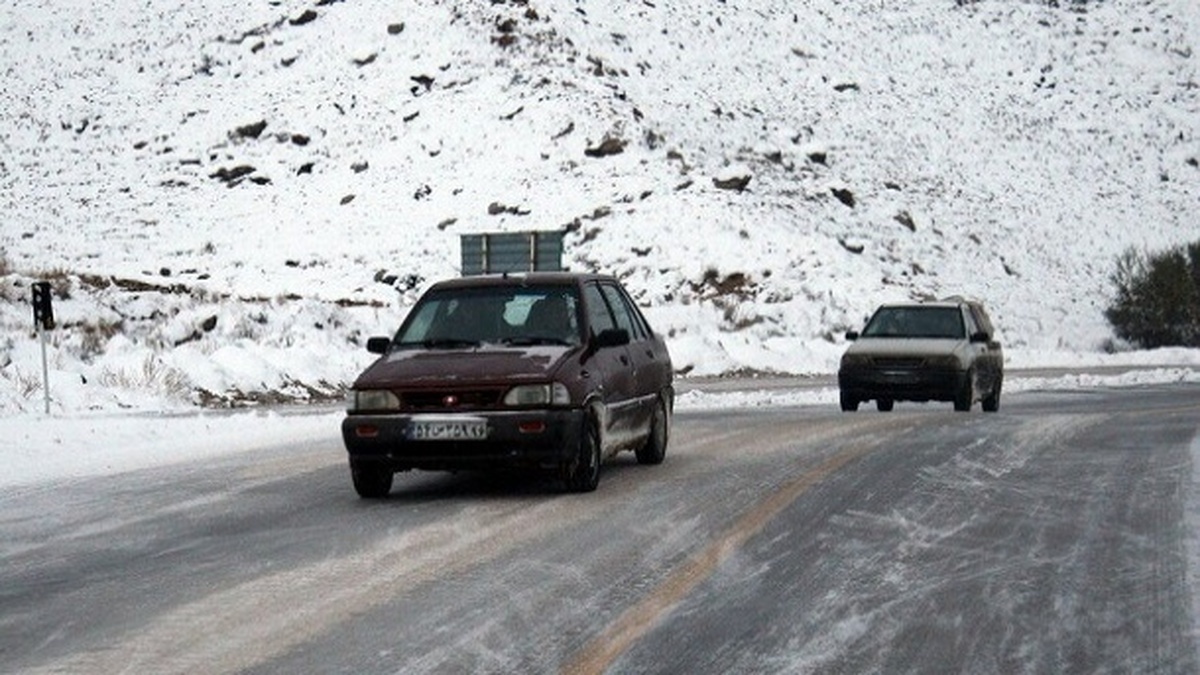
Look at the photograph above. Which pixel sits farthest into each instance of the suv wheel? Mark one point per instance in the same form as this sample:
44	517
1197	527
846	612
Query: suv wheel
582	474
849	403
371	482
966	394
884	404
991	403
655	448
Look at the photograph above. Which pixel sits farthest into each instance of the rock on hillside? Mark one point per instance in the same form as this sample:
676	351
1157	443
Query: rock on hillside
267	151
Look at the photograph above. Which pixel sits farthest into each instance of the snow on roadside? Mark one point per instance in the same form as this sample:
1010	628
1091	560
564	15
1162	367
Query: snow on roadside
39	450
697	399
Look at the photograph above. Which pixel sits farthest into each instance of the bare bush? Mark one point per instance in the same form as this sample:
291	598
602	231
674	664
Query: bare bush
94	336
153	374
1157	301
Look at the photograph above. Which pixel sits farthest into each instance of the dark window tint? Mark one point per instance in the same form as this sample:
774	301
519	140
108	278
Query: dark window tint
600	318
507	315
972	325
625	316
916	322
983	320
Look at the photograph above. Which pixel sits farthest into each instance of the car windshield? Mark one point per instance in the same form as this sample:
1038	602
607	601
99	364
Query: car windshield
469	317
916	322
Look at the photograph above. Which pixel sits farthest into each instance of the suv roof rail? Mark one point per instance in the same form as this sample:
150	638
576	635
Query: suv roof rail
957	298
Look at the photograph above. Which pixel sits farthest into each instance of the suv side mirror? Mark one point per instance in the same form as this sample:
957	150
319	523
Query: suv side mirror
378	345
851	335
612	337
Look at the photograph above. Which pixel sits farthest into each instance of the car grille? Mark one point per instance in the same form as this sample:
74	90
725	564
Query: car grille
450	399
899	362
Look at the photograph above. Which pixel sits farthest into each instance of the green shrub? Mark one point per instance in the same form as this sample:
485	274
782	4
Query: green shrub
1157	301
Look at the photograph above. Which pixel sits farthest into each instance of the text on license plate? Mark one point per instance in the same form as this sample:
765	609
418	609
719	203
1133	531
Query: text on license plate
447	430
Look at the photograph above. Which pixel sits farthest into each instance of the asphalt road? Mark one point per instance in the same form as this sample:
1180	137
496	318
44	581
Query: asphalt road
1057	536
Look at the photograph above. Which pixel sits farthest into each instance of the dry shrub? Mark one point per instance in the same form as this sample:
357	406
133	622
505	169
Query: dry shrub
153	374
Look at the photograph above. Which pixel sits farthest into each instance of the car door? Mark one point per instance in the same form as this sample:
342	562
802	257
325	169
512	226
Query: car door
647	354
613	369
986	358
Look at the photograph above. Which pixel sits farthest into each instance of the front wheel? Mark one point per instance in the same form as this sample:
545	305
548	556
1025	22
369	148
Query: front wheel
849	403
884	404
655	448
371	482
965	396
582	473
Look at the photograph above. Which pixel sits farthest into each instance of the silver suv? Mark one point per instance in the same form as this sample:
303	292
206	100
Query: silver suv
928	351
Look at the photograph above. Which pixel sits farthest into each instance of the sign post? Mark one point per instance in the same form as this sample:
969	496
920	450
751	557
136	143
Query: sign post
43	319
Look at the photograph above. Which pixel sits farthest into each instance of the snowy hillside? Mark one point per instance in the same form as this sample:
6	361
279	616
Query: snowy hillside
230	196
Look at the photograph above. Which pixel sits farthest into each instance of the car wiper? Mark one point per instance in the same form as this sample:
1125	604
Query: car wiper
530	340
448	343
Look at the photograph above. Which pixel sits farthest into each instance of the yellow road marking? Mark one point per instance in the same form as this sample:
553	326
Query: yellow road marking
600	653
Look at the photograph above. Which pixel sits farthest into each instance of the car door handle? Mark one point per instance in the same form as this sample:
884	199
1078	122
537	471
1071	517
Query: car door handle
624	360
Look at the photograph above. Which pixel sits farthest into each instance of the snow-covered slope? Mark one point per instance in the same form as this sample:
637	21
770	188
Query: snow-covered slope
229	196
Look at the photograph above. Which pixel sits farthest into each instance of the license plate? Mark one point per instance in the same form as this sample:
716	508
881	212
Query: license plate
458	429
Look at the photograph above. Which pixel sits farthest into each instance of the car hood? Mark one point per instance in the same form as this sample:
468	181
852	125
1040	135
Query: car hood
904	346
482	365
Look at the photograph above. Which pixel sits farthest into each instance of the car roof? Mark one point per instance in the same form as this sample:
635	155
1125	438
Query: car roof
953	301
931	303
521	279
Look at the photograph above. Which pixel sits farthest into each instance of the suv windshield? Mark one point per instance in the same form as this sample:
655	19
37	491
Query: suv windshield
469	317
916	322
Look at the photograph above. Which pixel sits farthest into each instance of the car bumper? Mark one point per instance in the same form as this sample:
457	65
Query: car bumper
535	439
901	385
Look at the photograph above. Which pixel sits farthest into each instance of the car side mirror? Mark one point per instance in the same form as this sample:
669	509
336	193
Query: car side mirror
851	335
612	337
378	345
980	338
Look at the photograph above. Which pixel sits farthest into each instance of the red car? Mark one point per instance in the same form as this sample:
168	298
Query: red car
548	371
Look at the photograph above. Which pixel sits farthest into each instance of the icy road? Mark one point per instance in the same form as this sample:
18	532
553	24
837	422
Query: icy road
1057	536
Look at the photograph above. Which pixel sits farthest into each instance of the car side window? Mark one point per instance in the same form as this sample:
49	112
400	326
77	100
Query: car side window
984	321
972	326
620	309
639	321
599	316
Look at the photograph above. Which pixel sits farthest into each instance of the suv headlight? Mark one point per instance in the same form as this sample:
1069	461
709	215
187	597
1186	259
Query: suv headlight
373	400
526	395
856	361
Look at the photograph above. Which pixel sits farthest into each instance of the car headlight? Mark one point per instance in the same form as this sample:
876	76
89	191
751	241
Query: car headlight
946	362
373	400
538	394
856	361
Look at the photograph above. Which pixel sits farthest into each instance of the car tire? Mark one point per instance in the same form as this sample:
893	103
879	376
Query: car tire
884	404
655	448
965	397
849	403
582	473
371	482
991	402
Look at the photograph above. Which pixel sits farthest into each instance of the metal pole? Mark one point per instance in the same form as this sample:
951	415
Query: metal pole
45	368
